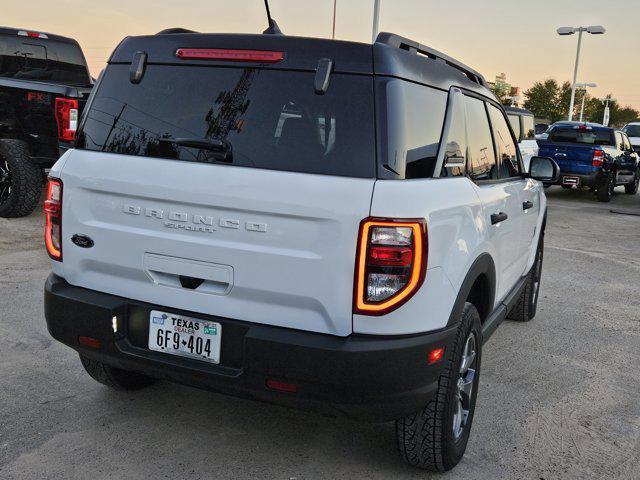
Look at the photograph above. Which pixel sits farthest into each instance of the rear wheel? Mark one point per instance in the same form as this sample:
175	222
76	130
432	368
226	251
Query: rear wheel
527	305
632	188
605	189
114	377
20	180
436	437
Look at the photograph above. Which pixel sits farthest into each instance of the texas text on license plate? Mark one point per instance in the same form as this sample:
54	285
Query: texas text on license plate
185	336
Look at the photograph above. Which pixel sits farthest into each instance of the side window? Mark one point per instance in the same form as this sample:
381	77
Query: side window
529	128
455	145
619	142
481	153
505	144
514	120
415	115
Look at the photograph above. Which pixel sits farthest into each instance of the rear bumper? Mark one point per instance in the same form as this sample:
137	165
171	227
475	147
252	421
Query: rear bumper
363	377
586	180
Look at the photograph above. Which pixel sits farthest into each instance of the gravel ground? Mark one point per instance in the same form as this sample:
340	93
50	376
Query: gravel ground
558	396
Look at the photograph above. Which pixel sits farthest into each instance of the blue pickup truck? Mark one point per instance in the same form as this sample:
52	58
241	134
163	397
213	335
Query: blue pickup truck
591	155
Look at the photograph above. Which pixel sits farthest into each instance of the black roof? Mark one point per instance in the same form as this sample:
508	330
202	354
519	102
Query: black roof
391	55
50	36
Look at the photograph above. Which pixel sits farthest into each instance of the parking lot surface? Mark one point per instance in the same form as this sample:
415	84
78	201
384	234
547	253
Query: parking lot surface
559	396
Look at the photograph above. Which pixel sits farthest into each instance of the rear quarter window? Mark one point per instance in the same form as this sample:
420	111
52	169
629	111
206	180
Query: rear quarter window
270	118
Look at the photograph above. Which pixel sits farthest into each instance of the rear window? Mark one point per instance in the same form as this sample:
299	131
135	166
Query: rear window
579	135
43	60
266	118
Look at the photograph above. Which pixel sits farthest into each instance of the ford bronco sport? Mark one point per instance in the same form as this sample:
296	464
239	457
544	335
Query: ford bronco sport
321	224
44	82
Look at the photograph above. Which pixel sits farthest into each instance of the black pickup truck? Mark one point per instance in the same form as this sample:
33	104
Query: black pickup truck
44	84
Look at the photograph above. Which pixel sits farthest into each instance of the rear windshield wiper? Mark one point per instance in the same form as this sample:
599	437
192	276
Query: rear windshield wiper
221	148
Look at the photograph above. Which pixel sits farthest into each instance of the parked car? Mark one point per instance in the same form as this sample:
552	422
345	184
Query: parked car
223	187
591	155
523	124
541	128
632	130
44	82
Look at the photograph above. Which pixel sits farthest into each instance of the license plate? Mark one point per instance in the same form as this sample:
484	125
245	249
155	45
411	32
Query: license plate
185	336
571	180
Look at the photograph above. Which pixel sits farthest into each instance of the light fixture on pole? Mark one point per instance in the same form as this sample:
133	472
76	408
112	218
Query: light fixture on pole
594	30
376	19
584	95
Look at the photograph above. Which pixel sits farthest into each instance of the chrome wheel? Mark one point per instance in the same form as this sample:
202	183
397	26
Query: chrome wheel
464	390
5	180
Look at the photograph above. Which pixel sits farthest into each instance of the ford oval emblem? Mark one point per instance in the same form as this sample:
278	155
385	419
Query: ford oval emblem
82	241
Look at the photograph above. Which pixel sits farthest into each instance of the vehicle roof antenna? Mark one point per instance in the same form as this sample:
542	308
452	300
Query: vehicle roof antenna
273	29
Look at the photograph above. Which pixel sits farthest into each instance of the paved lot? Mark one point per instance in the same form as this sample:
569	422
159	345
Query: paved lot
559	397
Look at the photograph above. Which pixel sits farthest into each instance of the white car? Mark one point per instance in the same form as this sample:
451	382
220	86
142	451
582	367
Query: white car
523	125
633	132
320	224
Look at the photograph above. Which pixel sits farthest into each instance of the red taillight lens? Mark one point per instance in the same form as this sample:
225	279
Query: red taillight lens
598	158
53	219
279	386
391	264
67	118
260	56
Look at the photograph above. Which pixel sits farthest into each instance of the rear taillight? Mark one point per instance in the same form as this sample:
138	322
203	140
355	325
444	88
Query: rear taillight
67	118
391	264
53	219
598	158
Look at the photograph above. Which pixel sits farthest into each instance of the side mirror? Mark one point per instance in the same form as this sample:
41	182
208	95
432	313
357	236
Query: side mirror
544	169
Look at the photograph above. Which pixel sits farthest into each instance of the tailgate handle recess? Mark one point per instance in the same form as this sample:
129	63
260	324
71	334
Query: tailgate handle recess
201	277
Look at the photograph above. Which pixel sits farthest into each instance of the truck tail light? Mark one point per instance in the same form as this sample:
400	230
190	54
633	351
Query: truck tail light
598	158
391	264
67	118
53	219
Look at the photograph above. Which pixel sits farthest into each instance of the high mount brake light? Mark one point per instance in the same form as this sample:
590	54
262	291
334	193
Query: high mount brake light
25	33
259	56
53	219
598	158
66	110
391	264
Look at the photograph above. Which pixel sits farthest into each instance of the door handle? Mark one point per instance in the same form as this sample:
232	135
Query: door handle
498	217
527	205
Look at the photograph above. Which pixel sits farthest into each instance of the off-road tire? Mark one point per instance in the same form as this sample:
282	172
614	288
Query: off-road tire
526	307
632	188
604	192
426	439
26	180
114	377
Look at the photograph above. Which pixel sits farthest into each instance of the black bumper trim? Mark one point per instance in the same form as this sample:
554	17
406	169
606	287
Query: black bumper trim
364	377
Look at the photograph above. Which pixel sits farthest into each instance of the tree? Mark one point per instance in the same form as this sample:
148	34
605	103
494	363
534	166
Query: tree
542	99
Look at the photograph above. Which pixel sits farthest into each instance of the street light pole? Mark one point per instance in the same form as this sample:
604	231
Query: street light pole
594	30
584	95
333	34
575	77
376	19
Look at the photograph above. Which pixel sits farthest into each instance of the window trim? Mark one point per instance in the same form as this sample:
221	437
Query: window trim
495	146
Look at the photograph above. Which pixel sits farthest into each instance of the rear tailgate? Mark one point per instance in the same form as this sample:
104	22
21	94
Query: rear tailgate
265	233
571	158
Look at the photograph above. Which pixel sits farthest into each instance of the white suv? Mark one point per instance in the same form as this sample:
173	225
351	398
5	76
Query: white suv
321	224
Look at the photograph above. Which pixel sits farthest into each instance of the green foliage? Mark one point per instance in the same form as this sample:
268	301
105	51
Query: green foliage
548	99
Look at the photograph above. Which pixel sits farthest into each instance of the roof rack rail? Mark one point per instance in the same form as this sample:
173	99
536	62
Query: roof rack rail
168	31
411	46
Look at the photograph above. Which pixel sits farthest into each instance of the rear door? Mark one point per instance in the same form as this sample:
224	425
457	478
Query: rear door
264	230
498	197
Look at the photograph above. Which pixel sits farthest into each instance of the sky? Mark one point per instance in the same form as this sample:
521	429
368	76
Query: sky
516	37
